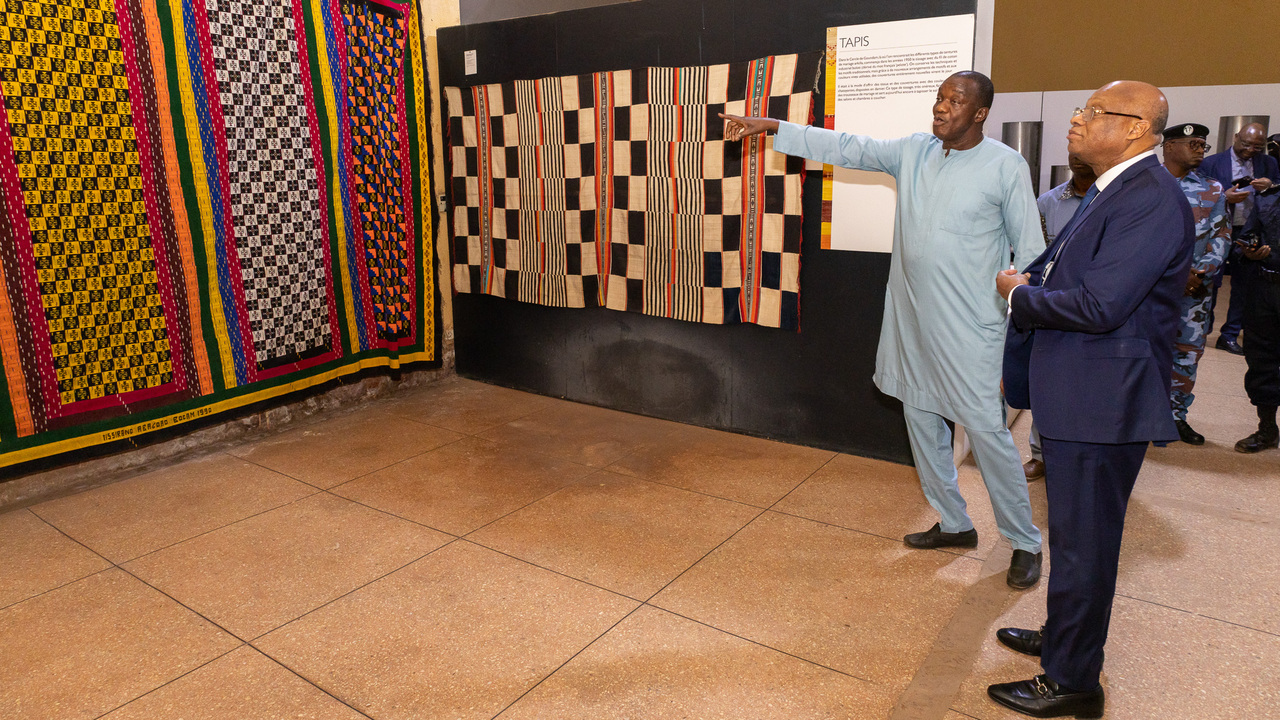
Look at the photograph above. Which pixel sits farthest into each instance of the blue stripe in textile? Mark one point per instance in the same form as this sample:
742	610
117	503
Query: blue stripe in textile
213	165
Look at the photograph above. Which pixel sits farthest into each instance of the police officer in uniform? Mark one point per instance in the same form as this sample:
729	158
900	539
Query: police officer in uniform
1260	245
1184	147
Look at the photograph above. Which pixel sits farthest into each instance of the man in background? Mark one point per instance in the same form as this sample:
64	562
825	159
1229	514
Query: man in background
1244	170
964	201
1184	148
1262	321
1089	350
1057	206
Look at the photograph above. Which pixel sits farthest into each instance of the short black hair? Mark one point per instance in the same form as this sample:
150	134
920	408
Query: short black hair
986	88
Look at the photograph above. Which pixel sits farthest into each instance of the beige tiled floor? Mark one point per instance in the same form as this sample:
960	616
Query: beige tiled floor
468	551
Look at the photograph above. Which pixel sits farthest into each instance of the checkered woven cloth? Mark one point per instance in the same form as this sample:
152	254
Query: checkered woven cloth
617	189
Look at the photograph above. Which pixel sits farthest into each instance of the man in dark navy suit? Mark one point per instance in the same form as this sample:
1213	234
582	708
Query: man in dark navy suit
1245	158
1089	350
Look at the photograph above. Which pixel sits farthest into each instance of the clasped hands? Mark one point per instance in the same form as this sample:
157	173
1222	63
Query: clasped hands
1007	280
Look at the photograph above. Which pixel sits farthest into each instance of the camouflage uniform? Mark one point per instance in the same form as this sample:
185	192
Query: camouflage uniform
1209	209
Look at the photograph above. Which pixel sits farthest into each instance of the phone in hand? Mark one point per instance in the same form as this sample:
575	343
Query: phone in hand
1249	241
1241	182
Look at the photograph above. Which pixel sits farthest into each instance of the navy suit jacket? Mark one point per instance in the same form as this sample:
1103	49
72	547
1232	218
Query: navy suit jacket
1218	167
1090	351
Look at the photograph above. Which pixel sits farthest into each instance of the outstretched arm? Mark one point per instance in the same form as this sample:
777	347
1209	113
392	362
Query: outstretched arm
737	127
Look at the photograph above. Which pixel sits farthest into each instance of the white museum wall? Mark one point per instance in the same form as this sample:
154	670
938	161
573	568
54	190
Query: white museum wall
1204	104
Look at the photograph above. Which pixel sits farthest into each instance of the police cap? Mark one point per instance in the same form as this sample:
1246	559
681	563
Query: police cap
1186	130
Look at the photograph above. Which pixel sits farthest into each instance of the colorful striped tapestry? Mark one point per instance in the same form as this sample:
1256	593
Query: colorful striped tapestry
208	204
617	189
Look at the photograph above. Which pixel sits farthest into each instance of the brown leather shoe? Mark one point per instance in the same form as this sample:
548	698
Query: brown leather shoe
1033	469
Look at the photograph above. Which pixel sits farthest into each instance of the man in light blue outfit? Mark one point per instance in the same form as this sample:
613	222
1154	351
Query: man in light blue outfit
964	201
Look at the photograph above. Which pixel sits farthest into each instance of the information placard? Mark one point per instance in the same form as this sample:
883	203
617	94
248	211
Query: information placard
882	80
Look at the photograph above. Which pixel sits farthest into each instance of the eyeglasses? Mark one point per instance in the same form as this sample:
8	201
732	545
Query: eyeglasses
1256	147
1200	145
1088	113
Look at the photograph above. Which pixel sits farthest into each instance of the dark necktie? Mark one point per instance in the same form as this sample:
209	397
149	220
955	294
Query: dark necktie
1066	229
1089	195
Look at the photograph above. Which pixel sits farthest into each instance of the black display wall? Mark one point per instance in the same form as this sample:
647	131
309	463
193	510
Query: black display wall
813	387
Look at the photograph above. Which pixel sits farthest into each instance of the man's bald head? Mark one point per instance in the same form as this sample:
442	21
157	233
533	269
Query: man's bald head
1251	140
1144	99
1128	119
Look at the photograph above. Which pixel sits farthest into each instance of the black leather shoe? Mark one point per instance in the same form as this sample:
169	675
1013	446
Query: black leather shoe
935	538
1026	642
1259	441
1229	345
1189	436
1024	569
1041	697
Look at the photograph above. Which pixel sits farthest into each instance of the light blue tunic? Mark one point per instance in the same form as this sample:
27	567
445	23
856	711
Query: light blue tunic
958	217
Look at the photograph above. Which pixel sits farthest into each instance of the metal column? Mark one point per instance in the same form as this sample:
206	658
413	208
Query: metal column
1024	137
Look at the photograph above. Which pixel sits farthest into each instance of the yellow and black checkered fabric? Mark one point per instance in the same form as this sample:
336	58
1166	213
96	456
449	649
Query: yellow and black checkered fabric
67	98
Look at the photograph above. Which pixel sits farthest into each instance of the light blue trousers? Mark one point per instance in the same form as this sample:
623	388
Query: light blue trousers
998	461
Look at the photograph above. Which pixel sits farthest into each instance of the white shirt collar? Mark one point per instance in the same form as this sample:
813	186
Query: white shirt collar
1105	178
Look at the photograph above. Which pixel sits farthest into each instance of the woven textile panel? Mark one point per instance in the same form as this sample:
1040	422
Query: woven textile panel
617	189
207	203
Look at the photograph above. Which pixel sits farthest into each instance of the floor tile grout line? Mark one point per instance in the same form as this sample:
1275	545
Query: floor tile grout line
766	646
567	576
308	680
772	508
59	530
453	535
806	479
232	523
749	523
330	491
705	555
55	589
508	422
173	680
185	606
570	659
401	461
1214	511
734	533
640	478
467	535
350	592
501	446
878	536
1194	613
514	446
957	646
388	513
